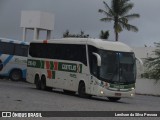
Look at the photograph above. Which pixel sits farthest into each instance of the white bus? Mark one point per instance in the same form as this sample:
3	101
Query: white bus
84	65
13	59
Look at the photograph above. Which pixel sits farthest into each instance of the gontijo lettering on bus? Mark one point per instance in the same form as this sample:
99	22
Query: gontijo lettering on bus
70	67
54	65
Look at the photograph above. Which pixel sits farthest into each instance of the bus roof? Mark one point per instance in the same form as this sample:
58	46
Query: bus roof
98	43
13	41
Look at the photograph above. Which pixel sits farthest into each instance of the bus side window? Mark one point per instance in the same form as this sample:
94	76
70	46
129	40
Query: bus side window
94	67
93	60
34	50
80	54
21	50
7	48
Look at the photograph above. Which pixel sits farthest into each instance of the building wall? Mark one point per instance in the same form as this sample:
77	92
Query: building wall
148	87
142	53
145	86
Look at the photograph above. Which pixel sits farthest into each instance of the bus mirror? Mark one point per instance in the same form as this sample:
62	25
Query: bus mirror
140	61
98	58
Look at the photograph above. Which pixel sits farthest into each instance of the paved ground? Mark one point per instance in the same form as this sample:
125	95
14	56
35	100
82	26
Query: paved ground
22	96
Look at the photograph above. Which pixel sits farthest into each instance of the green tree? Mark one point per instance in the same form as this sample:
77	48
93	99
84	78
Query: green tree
153	64
66	34
104	34
81	35
118	13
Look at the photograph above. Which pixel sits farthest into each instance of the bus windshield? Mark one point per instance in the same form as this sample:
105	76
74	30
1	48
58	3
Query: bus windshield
117	67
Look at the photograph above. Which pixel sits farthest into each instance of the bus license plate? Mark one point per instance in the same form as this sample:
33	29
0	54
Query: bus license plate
118	94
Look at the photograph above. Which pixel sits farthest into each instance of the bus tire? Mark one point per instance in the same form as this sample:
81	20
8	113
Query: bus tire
1	65
37	82
82	90
15	75
114	99
43	83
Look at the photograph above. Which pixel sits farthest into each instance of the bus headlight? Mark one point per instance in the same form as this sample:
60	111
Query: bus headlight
102	92
132	95
132	88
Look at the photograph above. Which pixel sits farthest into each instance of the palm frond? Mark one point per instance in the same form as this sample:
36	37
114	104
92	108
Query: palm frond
105	13
152	61
124	20
157	45
108	8
157	52
128	26
106	19
126	8
153	64
116	6
131	16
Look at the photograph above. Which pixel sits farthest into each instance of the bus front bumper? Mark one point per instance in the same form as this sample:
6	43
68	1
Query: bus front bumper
115	93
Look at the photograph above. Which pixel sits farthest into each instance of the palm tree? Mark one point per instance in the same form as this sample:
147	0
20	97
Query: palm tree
118	14
104	34
153	64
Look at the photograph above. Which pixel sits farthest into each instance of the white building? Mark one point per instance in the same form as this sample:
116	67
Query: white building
142	53
145	86
37	21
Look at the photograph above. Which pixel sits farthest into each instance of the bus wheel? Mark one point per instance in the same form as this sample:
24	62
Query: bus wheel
82	90
43	83
16	75
37	83
114	99
1	65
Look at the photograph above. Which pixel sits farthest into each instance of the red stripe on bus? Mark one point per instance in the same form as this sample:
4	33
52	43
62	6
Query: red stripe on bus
55	65
47	65
49	74
45	41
